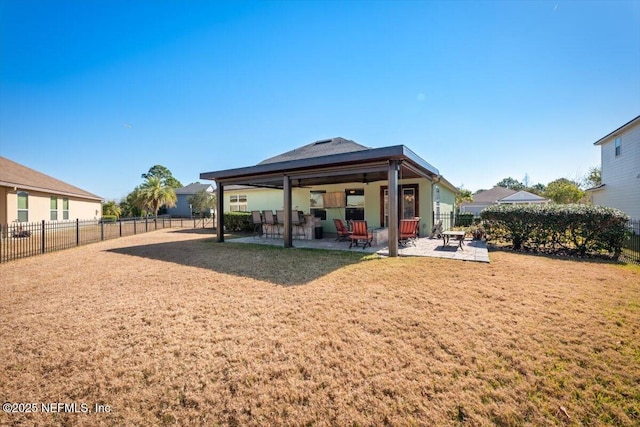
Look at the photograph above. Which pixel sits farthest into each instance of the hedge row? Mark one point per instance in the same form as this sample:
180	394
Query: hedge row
238	221
577	228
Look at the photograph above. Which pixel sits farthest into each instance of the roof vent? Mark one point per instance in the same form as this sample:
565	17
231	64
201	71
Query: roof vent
324	141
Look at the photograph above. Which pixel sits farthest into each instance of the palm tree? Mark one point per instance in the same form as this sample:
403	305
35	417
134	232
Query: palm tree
152	194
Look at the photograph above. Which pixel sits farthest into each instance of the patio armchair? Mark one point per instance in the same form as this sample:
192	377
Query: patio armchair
256	219
436	231
408	232
360	233
342	230
279	220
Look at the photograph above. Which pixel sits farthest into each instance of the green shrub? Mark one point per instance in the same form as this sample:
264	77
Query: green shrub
238	221
464	219
579	228
109	218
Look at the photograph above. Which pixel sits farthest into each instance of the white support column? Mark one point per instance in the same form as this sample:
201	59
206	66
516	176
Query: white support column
393	207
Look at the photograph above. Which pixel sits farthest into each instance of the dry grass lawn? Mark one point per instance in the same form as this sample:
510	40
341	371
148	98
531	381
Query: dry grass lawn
171	328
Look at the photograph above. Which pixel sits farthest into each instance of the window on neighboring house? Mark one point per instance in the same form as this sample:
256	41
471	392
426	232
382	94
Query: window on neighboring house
54	208
618	146
23	206
238	203
65	208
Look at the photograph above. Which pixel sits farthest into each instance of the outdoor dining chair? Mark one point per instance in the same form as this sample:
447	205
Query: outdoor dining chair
360	233
298	224
342	230
279	220
256	219
408	232
269	222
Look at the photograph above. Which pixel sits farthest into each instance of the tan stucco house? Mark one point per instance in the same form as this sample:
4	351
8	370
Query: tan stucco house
27	195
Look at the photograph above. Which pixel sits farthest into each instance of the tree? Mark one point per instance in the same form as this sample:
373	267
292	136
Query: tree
152	194
201	202
111	208
130	207
538	189
511	183
463	196
563	191
164	175
593	177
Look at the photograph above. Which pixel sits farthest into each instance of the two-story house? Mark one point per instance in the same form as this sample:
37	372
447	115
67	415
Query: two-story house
620	157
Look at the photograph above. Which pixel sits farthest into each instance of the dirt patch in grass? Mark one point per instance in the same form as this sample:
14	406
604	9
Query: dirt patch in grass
171	328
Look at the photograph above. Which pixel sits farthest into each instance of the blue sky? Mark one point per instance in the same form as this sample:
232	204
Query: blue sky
96	92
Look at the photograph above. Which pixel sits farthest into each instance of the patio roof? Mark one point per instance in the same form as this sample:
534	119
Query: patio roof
355	163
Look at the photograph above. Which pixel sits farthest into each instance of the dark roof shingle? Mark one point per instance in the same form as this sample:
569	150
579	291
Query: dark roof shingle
320	148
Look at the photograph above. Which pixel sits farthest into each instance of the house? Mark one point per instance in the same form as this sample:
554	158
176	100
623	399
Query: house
27	195
620	163
183	208
523	198
486	198
339	178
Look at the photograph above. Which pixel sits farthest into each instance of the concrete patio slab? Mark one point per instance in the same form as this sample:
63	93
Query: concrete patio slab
472	250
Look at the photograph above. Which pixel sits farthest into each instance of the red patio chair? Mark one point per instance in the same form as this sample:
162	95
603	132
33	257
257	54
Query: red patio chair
343	231
408	231
360	233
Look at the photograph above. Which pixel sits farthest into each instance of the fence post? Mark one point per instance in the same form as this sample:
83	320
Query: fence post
155	223
134	225
120	223
146	224
101	230
77	231
451	221
43	242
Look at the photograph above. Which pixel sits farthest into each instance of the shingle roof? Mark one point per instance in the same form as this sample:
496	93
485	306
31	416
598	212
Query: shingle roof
14	174
192	188
324	147
493	195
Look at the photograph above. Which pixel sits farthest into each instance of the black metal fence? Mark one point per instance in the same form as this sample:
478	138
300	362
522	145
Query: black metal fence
21	239
631	248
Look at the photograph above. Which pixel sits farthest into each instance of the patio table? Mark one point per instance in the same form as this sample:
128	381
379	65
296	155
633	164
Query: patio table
458	235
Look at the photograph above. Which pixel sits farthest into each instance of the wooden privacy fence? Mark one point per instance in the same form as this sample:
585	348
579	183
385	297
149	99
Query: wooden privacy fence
22	239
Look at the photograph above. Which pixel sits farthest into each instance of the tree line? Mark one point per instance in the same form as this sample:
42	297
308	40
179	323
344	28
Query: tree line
561	190
154	195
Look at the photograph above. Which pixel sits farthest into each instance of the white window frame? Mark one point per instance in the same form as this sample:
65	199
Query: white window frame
618	146
25	210
238	203
65	208
54	208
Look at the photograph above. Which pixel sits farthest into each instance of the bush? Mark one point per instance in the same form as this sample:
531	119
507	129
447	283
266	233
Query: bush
238	221
464	219
109	218
578	228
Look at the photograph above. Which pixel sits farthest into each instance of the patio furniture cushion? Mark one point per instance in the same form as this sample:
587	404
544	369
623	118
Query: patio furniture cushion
360	233
342	230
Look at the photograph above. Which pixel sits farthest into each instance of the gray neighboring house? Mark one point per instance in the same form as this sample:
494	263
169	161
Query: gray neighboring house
524	198
182	208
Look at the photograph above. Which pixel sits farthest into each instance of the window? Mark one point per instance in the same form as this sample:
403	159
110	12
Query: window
23	207
618	146
355	204
54	208
65	208
238	203
316	202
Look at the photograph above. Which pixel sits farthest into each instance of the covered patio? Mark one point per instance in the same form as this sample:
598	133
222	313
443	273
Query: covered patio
369	165
473	250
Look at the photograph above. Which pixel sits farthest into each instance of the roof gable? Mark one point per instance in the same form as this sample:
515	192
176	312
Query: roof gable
523	196
621	129
493	195
14	174
325	147
193	188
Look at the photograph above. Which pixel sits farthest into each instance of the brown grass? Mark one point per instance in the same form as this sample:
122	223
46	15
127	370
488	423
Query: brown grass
171	328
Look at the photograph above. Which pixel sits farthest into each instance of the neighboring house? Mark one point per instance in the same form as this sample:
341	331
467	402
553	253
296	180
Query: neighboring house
182	207
485	198
620	157
524	198
27	195
339	178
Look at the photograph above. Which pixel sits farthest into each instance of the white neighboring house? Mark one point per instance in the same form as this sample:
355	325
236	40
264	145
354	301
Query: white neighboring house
524	198
620	157
500	195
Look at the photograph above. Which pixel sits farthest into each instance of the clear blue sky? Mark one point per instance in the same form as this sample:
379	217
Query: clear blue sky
96	92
